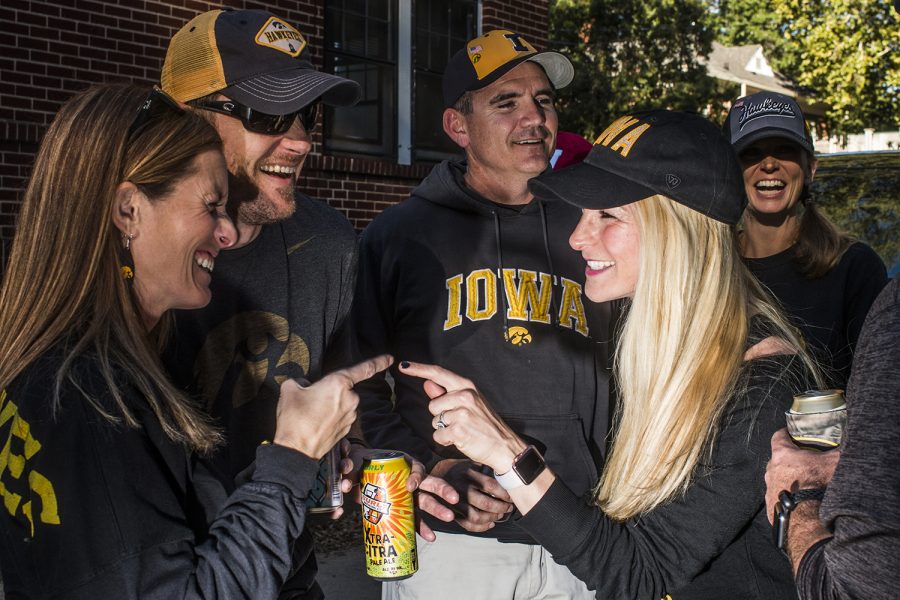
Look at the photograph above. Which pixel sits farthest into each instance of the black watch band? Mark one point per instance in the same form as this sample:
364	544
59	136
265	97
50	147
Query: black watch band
787	502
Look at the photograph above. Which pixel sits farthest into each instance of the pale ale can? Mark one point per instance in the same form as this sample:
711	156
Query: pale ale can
388	521
325	495
817	419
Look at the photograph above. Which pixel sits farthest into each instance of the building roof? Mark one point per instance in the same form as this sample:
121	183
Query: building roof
748	66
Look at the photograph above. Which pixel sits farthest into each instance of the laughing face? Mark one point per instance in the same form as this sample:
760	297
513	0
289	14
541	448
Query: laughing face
512	126
609	242
264	169
775	173
177	238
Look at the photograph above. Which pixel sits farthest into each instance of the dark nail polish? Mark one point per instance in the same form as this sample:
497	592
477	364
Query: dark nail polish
404	364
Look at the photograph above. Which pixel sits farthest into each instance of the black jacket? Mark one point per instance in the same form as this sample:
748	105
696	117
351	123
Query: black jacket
430	289
715	541
98	510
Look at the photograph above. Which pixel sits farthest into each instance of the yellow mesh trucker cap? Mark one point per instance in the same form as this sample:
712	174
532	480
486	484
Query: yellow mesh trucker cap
487	58
250	56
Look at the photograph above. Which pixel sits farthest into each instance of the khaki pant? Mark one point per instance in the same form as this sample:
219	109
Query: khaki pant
464	567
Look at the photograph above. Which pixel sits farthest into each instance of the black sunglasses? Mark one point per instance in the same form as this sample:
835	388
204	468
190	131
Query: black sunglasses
263	123
157	102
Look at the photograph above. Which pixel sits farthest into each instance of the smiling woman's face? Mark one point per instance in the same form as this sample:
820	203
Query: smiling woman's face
178	238
775	171
610	244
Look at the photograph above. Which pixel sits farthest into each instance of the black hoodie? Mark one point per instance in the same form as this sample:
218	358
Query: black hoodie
430	290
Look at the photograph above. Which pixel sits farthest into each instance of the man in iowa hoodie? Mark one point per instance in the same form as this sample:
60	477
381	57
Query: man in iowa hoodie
473	274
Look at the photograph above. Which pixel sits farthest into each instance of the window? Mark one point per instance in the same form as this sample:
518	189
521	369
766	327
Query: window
360	45
396	50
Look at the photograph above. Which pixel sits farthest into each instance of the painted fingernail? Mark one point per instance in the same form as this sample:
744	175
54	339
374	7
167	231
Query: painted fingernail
404	364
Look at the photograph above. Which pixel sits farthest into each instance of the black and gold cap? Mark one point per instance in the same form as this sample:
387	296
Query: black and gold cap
487	58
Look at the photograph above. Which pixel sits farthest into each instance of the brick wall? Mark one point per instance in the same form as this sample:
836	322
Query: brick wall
49	50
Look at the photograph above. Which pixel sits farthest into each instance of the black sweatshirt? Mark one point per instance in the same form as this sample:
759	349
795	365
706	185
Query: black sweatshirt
97	510
430	289
862	504
714	542
829	310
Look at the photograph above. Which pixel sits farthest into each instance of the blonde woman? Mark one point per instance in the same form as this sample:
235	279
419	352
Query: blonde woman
705	369
105	491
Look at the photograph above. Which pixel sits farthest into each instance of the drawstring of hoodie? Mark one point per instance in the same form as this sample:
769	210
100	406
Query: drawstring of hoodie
501	287
554	319
501	281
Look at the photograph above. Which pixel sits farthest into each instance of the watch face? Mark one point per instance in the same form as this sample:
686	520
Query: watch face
780	526
529	465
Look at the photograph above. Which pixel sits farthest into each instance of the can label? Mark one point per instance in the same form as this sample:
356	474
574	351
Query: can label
817	419
388	520
325	495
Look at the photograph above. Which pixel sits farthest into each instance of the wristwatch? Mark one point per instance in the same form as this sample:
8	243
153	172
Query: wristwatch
527	465
787	502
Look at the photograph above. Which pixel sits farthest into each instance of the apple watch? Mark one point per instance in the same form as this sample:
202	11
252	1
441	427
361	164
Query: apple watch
787	502
527	465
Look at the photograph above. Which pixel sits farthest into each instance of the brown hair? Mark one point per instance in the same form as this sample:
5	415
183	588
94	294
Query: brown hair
63	281
820	244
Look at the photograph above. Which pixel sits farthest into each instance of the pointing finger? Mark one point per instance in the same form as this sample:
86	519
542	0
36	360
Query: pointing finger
448	380
366	369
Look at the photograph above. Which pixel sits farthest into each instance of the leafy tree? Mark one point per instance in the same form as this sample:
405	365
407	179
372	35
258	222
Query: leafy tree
629	55
846	51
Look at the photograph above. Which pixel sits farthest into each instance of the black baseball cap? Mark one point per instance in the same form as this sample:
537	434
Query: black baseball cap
252	57
676	154
487	58
767	115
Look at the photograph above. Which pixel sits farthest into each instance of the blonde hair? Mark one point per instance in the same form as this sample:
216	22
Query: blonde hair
63	283
679	355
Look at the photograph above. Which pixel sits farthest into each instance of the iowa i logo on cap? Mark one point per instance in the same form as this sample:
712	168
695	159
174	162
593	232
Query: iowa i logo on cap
496	48
279	35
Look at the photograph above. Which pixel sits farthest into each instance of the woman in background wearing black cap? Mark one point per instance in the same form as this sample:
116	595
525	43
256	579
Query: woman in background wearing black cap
825	280
705	368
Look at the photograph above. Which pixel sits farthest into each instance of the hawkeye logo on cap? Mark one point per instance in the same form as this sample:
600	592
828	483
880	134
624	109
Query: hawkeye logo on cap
624	144
279	35
496	48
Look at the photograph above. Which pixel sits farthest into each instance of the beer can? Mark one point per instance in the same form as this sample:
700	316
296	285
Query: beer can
325	495
389	527
817	419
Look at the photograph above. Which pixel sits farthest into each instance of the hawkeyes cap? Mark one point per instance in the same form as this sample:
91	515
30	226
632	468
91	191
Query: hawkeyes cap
486	59
767	115
252	57
679	155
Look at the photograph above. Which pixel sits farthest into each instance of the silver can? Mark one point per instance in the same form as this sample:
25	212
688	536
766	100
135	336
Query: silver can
326	495
817	419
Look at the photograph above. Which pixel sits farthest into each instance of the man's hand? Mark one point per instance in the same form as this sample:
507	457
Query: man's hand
792	468
483	500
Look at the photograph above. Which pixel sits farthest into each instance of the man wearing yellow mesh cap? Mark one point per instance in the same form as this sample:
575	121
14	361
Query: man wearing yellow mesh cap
281	297
472	273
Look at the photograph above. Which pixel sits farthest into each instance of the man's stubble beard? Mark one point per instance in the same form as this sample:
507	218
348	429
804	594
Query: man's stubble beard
250	206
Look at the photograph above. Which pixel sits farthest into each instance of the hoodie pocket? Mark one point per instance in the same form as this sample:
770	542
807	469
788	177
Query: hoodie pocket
561	439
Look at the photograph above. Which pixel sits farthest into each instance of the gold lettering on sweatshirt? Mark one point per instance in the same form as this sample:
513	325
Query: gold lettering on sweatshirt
20	447
528	297
481	290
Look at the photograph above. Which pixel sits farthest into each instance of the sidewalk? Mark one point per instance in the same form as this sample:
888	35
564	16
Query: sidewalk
342	575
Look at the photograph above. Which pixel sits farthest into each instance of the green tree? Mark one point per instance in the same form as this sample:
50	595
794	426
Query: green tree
631	55
846	51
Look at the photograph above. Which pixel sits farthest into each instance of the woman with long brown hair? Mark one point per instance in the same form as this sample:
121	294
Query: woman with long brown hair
105	491
825	280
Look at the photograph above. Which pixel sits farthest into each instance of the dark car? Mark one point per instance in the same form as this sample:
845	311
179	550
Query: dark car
860	192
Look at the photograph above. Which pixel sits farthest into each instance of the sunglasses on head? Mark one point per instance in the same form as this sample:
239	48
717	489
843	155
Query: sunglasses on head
263	123
157	102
